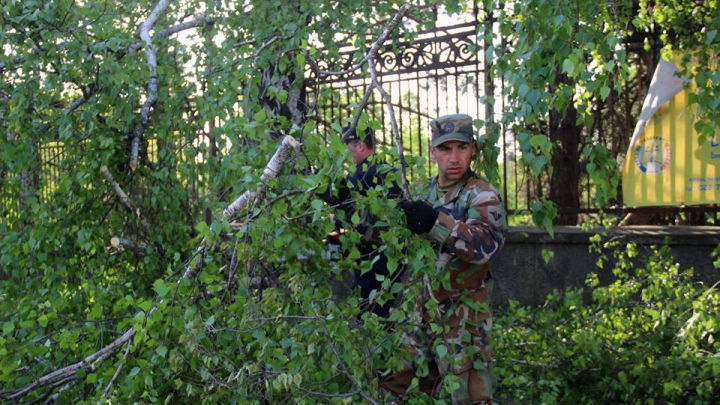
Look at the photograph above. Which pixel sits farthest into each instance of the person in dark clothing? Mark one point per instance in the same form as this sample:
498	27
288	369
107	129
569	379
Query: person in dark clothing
369	173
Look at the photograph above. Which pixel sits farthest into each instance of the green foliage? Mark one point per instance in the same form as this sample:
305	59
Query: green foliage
555	57
649	336
258	318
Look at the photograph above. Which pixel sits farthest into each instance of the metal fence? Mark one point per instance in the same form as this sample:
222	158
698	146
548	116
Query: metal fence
441	71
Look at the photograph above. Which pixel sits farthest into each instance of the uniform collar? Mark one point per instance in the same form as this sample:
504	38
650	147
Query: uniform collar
454	192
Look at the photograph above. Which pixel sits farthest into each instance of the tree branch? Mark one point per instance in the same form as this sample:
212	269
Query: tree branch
64	374
198	22
393	121
145	28
128	244
92	361
123	196
119	369
271	170
373	49
80	101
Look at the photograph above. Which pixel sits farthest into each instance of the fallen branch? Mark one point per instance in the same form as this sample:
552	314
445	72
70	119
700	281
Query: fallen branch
65	374
273	167
91	362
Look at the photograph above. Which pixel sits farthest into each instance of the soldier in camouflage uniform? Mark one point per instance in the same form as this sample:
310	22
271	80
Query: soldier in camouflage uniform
463	216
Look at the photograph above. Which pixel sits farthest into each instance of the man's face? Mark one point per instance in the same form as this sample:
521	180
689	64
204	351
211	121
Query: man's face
357	150
453	160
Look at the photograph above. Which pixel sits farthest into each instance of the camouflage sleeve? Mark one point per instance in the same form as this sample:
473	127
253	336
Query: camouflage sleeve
479	234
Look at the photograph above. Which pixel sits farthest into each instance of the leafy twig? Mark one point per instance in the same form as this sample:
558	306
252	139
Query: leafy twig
341	363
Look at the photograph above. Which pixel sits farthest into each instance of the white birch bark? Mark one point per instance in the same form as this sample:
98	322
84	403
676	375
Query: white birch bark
145	28
272	169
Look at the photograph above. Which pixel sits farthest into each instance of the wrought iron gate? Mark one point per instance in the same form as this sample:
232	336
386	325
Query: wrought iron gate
439	72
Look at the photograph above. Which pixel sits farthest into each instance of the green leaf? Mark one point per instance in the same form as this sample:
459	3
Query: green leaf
568	67
8	328
260	116
135	370
442	351
710	37
604	92
160	288
654	314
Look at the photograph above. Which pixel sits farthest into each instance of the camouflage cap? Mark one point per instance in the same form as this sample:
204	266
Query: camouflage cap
453	127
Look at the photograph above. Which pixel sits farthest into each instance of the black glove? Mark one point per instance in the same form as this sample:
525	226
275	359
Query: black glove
420	216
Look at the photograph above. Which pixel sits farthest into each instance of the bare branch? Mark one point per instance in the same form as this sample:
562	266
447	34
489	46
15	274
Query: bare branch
393	121
123	196
119	369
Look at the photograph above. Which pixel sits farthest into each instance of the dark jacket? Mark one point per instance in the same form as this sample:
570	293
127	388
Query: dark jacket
368	175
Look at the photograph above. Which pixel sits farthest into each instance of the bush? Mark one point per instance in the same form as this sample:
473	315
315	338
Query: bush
649	337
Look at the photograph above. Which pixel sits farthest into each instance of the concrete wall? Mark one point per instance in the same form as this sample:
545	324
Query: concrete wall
520	272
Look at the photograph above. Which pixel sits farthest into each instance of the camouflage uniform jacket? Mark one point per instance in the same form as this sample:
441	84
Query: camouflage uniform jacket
469	231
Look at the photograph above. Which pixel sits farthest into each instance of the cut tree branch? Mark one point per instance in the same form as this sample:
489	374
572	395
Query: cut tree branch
91	362
272	169
65	374
128	244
